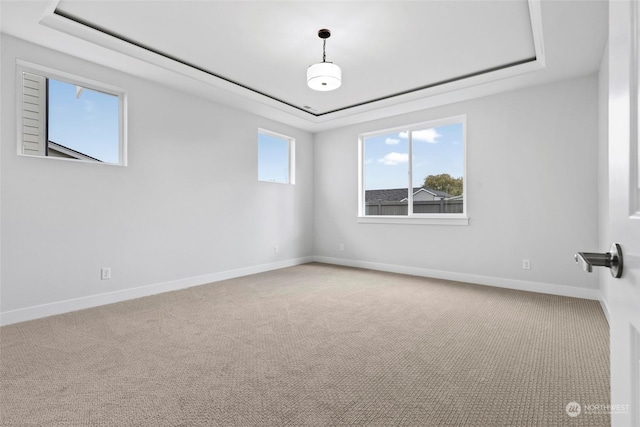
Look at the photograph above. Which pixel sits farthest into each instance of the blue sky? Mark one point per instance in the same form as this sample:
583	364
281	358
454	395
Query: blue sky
273	158
88	123
435	151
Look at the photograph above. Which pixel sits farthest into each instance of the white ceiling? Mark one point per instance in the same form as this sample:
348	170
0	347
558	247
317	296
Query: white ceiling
396	56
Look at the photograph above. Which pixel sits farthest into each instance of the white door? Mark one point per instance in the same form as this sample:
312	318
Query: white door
623	295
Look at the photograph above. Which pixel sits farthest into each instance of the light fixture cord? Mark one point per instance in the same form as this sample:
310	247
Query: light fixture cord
324	53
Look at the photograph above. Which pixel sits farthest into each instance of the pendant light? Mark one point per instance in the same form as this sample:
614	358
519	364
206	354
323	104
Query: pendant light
324	76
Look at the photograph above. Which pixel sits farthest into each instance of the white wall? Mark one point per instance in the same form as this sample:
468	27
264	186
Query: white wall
186	210
532	193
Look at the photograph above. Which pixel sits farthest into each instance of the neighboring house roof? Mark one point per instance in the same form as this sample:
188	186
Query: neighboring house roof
437	195
64	151
398	194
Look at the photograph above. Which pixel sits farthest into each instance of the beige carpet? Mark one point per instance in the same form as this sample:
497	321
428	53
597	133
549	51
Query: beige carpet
312	345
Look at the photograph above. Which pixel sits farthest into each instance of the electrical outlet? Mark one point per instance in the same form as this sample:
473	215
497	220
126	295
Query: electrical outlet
276	250
526	264
105	273
342	246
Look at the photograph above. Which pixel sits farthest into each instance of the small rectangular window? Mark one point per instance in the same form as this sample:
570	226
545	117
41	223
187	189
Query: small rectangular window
68	117
275	157
416	171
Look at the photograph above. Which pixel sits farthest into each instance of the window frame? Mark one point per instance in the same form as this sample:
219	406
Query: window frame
413	218
62	76
291	151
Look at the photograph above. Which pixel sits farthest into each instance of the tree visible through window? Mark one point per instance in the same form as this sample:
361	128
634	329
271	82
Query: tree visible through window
417	170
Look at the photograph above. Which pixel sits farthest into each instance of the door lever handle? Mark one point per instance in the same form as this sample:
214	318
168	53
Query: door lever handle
611	260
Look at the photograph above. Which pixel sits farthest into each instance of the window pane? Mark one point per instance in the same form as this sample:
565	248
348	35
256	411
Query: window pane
273	158
386	167
424	163
83	123
437	169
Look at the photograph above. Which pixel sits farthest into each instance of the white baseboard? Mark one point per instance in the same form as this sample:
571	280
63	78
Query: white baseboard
522	285
60	307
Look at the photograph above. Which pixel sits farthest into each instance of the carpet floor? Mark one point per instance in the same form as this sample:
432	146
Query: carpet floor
312	345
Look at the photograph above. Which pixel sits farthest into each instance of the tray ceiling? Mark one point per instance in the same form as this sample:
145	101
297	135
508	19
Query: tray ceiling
396	56
385	49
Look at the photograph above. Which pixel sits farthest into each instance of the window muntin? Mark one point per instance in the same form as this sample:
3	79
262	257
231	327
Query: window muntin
64	116
428	158
275	157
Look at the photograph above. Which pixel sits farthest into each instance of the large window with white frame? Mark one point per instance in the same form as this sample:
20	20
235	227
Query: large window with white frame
414	173
69	117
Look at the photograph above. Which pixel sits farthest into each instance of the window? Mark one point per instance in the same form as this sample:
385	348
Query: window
68	117
414	173
275	157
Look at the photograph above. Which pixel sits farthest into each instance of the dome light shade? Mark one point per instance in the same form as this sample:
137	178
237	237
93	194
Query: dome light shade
324	76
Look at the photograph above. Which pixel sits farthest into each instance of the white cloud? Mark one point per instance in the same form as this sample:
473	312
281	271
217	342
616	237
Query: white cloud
88	105
90	110
392	141
394	158
426	135
368	161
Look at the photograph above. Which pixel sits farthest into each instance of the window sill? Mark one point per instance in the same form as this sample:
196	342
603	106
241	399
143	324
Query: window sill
419	220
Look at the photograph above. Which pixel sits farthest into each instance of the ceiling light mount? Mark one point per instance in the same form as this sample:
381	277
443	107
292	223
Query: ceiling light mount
324	76
324	33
